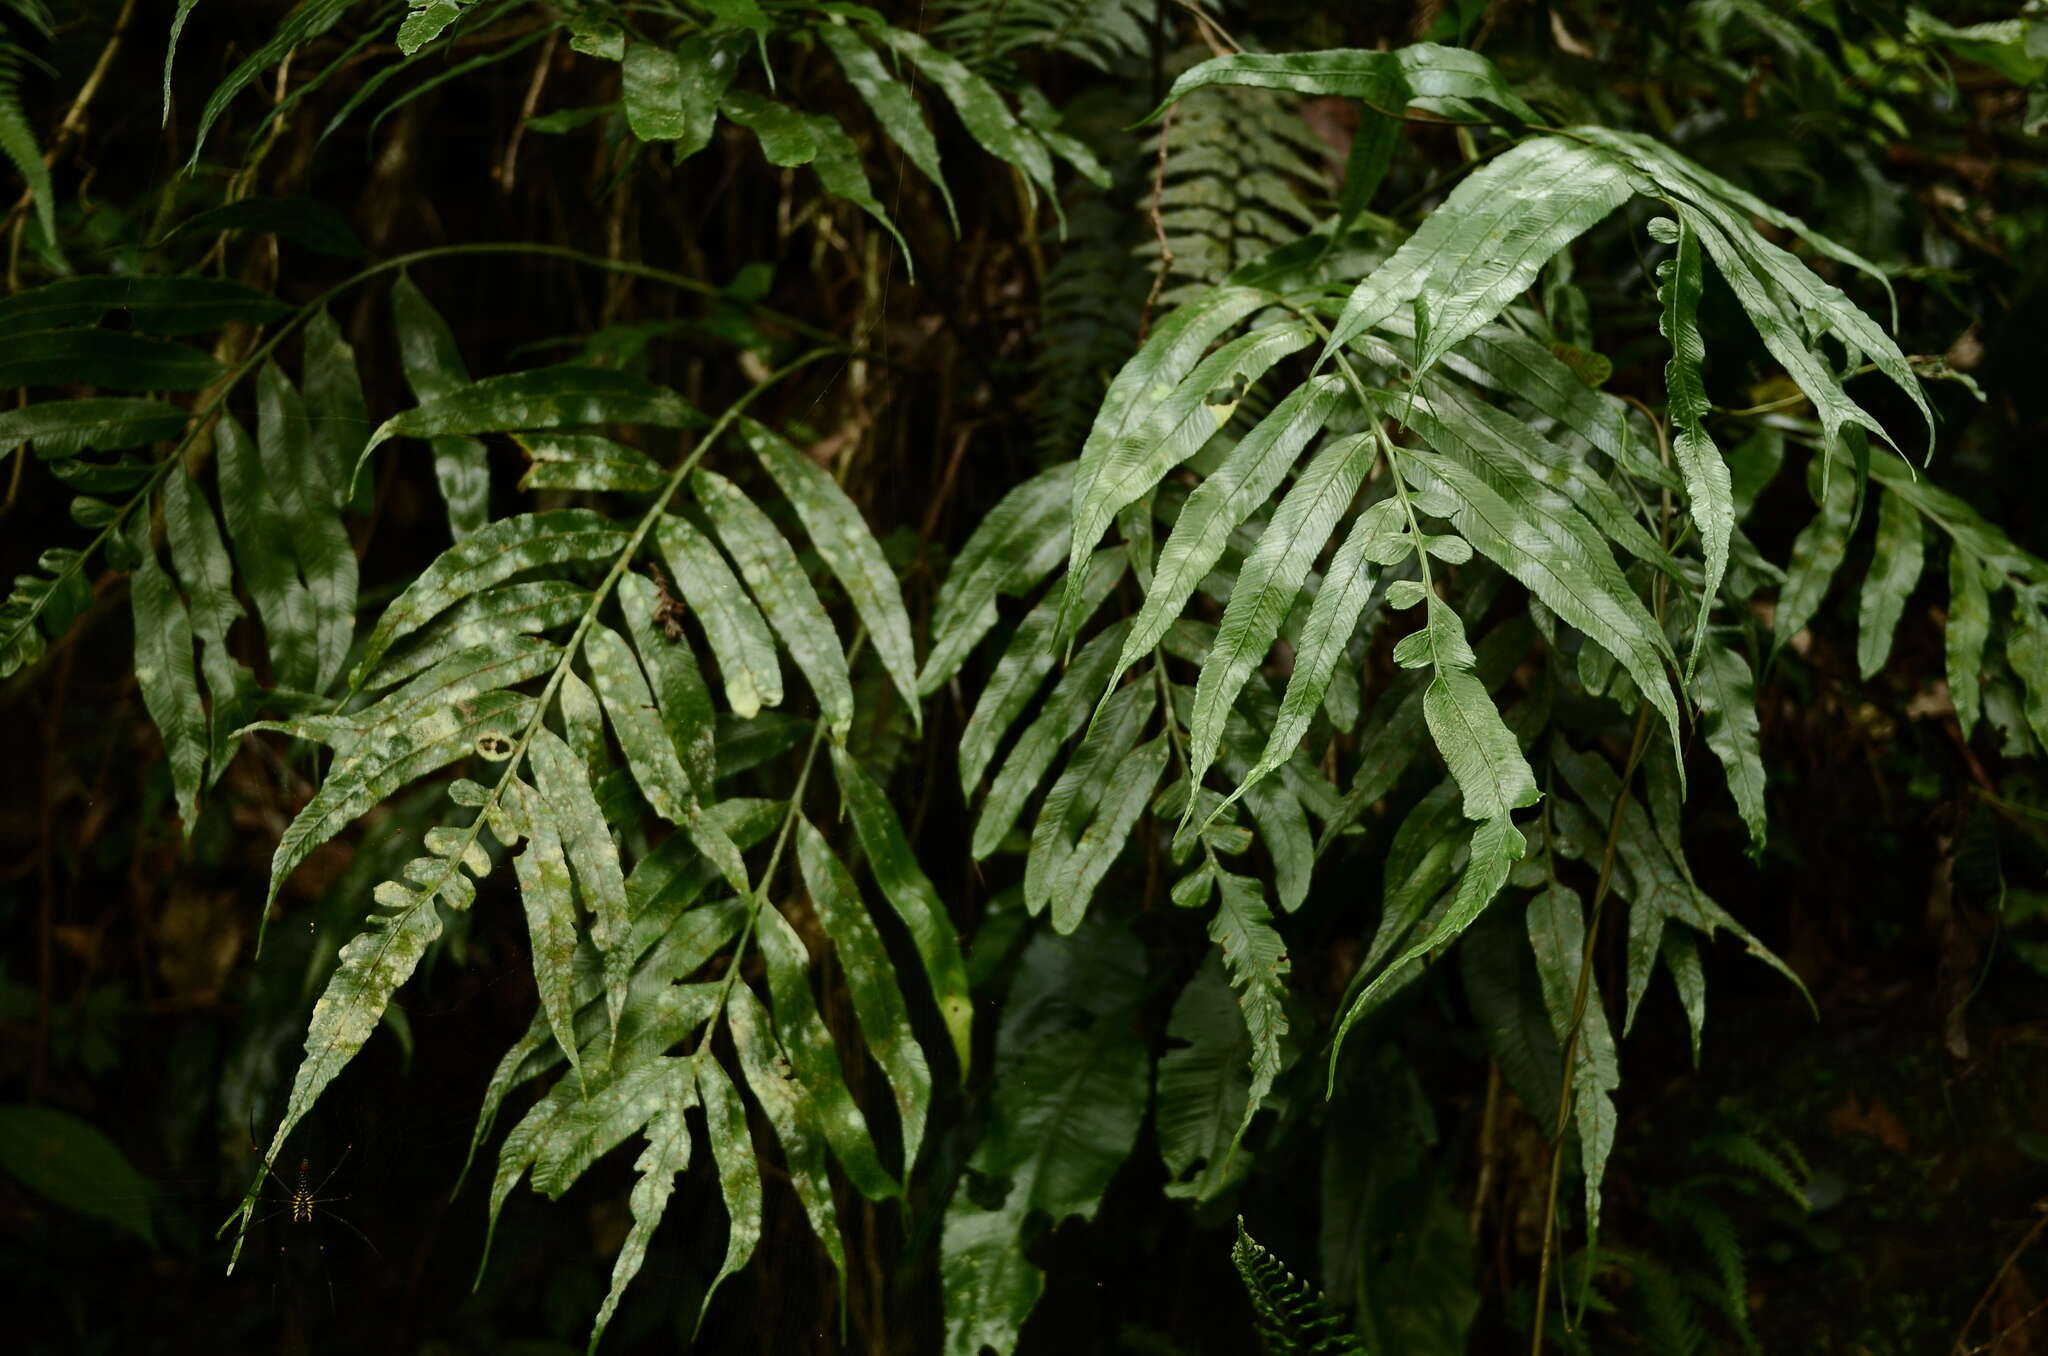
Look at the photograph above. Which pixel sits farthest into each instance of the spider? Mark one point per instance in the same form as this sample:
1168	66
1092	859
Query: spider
302	1204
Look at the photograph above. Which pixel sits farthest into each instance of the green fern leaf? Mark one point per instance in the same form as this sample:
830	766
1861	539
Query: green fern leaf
1292	1318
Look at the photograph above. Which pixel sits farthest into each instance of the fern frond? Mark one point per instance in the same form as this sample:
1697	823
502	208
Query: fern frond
622	718
1241	172
1088	320
1292	1318
17	136
1099	32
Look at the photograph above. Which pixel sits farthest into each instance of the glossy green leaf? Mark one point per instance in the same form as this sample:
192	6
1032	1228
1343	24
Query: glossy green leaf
369	970
1203	1089
18	141
434	370
1652	879
1152	375
1064	713
72	1162
440	735
489	556
1069	1100
1780	323
114	360
1021	539
175	305
911	894
1773	283
1707	486
678	684
793	1114
1332	620
1279	807
265	559
815	1057
739	1176
981	109
673	935
1894	573
1962	523
483	618
585	461
893	104
1078	793
673	94
1117	472
1557	936
573	1126
870	984
1434	74
738	634
1487	242
559	776
1385	94
164	673
837	163
1243	484
303	221
1549	547
309	519
338	420
1256	959
1969	626
428	20
64	428
543	398
849	549
1477	746
1727	696
784	135
310	20
208	578
1269	582
778	582
635	721
545	892
1030	655
1496	846
1082	868
2026	649
667	1153
1816	554
1520	463
1426	854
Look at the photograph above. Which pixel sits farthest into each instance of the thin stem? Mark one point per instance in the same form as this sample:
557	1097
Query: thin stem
1571	1048
1786	402
760	892
1601	890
